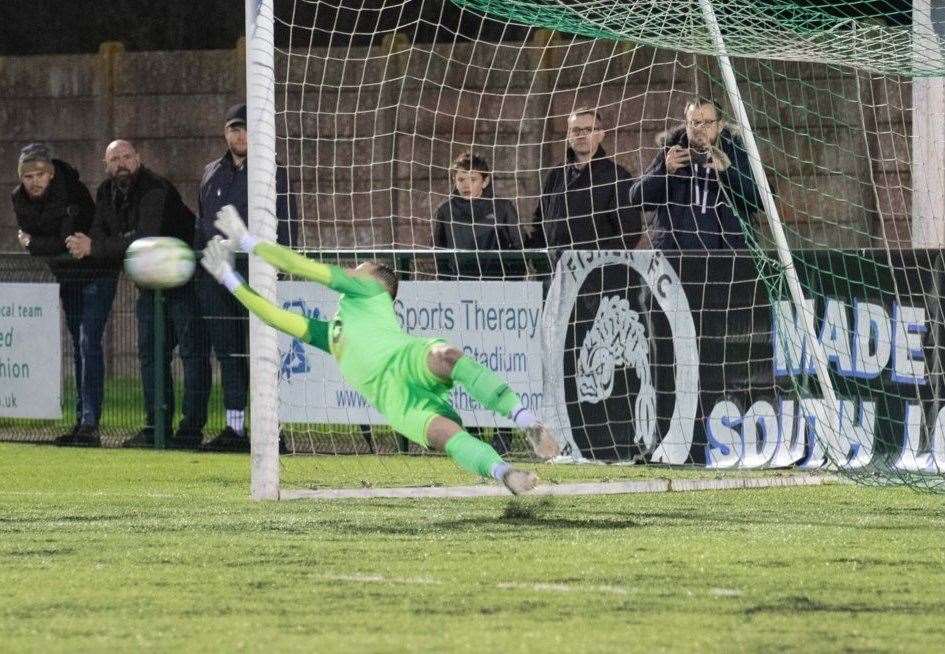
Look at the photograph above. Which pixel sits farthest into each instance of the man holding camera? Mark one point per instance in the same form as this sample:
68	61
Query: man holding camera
700	184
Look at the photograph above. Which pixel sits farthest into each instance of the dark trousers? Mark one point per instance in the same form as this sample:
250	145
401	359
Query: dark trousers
227	323
87	304
183	330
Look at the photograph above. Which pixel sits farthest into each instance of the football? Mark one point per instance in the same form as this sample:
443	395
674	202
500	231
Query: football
159	262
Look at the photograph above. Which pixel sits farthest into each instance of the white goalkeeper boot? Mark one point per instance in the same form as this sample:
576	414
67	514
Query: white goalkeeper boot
542	441
519	481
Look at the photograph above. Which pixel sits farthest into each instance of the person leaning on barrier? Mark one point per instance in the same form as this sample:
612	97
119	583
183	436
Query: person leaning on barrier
584	202
51	203
699	184
224	182
131	203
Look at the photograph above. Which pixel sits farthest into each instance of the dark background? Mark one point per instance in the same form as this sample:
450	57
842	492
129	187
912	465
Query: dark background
77	26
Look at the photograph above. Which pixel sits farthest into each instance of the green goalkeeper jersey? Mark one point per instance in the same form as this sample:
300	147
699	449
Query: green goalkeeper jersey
388	367
365	335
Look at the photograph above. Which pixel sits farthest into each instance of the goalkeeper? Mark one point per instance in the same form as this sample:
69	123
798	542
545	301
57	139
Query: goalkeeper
406	378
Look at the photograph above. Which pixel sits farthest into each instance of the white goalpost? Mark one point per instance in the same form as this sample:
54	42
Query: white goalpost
261	173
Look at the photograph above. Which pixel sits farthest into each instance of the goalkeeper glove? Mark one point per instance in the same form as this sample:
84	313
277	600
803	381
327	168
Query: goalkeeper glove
217	260
231	224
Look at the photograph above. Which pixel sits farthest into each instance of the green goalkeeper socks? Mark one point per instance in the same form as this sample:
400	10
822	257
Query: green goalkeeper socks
474	456
485	386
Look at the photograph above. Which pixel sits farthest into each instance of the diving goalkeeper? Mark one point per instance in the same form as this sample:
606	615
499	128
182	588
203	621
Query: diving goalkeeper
406	378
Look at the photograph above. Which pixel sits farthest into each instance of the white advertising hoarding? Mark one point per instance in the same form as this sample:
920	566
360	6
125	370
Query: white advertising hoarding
497	323
30	351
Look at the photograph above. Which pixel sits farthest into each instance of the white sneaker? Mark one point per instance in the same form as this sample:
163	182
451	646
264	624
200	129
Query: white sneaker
519	481
542	442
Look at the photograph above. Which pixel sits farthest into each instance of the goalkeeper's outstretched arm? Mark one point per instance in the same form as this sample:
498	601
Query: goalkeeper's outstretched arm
336	278
217	260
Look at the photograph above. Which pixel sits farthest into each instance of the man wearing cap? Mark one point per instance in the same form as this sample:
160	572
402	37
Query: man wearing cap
131	203
51	203
225	182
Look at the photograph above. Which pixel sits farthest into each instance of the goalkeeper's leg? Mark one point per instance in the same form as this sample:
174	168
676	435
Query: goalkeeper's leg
475	456
490	390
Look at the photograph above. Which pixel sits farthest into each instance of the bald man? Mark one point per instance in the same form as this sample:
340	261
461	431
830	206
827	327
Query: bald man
131	203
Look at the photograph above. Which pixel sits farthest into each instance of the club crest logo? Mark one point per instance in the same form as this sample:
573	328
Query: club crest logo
618	339
608	316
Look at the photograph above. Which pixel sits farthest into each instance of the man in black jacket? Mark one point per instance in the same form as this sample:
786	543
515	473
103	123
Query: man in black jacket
51	204
700	184
225	182
585	203
132	203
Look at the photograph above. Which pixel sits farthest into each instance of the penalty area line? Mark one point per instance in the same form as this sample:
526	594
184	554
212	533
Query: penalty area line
661	485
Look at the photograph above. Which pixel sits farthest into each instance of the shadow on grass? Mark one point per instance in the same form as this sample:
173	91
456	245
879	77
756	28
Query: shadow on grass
802	604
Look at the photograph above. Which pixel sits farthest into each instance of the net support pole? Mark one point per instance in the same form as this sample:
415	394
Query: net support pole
928	135
261	173
830	420
160	398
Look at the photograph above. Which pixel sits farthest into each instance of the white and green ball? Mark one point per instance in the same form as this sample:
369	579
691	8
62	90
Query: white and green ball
159	262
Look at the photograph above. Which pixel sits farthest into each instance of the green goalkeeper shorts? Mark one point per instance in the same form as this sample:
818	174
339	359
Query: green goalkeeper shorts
409	395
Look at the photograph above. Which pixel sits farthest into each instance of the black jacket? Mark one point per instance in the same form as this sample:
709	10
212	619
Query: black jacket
484	223
698	208
65	209
223	184
587	208
151	207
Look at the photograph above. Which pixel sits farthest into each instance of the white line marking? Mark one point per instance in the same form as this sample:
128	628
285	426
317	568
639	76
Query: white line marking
380	579
580	488
540	587
564	588
724	592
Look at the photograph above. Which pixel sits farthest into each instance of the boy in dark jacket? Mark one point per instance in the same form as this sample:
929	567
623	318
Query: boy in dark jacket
51	204
700	184
473	219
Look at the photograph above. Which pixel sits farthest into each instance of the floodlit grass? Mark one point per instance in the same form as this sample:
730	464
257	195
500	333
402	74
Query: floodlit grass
137	550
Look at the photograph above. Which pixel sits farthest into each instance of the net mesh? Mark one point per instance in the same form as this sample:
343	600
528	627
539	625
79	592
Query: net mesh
644	353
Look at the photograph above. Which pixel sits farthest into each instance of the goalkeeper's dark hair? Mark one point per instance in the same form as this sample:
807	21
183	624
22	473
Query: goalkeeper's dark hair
387	276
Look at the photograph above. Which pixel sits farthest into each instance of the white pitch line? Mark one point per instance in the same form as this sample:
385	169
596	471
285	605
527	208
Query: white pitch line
539	587
564	588
579	488
381	579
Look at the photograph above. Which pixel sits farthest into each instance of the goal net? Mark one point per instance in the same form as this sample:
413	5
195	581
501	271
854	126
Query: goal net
743	271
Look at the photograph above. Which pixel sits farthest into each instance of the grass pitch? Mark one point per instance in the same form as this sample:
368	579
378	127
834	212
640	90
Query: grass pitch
162	551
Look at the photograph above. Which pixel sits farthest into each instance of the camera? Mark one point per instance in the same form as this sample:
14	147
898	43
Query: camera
700	157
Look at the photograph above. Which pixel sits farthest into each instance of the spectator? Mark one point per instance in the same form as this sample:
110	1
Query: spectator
700	184
131	203
585	202
472	219
51	203
225	182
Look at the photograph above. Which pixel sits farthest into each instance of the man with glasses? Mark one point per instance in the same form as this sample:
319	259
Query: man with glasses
584	203
700	184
